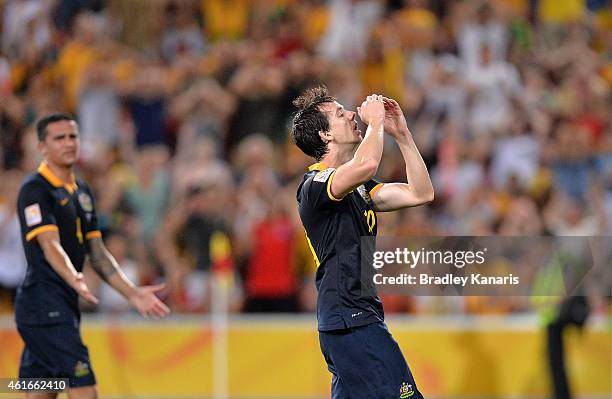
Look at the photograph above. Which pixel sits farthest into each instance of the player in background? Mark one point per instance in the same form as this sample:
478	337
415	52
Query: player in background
59	229
337	201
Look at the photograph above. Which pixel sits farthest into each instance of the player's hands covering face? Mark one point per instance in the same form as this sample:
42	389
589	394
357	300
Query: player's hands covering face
372	109
395	122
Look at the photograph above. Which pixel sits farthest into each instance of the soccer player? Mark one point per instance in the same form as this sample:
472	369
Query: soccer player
337	201
59	228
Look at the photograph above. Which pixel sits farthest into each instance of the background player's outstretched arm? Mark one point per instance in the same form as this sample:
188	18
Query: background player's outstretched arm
142	298
364	164
419	189
59	260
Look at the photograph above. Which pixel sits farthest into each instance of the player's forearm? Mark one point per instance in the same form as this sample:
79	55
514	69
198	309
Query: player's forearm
122	284
109	270
416	170
370	150
60	261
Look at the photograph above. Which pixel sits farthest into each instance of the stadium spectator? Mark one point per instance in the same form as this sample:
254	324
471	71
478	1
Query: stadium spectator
493	84
81	52
26	28
148	193
350	25
110	300
12	259
182	37
98	108
184	243
480	27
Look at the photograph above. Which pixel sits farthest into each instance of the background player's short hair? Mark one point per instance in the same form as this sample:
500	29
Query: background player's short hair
310	120
41	125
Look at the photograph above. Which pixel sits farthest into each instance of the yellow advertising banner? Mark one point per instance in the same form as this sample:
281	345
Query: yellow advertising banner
280	358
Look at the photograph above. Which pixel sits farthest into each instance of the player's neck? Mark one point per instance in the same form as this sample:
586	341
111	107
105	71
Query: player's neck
336	157
64	173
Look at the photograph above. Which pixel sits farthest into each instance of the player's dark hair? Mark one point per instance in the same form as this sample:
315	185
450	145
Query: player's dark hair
310	120
41	125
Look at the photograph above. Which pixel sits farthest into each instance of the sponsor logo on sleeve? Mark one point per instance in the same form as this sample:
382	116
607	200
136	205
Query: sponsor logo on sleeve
32	214
323	175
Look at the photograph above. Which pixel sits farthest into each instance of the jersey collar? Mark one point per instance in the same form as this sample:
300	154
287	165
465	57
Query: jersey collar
55	181
317	166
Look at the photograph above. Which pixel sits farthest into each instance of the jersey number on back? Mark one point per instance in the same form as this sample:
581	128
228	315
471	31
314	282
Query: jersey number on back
79	231
370	219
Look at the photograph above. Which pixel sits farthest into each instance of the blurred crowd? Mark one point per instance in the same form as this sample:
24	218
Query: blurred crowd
184	109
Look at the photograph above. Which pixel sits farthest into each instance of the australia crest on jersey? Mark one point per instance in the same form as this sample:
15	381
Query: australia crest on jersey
406	390
85	201
81	369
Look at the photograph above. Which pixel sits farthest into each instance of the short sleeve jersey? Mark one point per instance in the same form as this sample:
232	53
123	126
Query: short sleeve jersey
45	203
334	227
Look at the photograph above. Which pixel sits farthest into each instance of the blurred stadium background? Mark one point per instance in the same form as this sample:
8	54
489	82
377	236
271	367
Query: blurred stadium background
184	108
